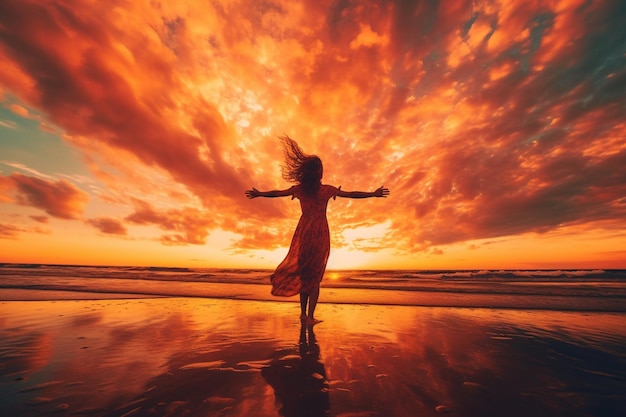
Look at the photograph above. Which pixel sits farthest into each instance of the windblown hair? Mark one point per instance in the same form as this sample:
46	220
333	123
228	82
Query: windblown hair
301	168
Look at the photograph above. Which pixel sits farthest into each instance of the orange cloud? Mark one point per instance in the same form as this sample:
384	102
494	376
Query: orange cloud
367	37
57	198
20	110
12	231
99	87
108	225
191	226
7	186
8	231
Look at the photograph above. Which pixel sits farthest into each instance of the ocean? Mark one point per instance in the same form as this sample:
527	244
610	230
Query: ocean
563	289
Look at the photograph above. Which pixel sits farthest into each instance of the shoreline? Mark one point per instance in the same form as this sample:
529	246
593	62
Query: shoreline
259	292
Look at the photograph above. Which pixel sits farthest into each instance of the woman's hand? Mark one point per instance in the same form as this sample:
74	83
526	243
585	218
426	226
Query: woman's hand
381	192
253	193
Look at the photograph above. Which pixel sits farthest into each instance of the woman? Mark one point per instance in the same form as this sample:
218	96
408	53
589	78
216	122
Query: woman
303	268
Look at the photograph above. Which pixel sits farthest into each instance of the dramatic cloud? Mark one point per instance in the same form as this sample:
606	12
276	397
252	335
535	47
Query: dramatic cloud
484	118
6	188
108	225
57	198
8	231
117	85
11	231
191	226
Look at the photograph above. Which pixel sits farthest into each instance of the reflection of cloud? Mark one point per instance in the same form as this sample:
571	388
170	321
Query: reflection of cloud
86	320
198	384
209	357
25	354
484	119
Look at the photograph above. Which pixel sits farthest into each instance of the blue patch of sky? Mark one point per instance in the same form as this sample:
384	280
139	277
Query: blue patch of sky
23	141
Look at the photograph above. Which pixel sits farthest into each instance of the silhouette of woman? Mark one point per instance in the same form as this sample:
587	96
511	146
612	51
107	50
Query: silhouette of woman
303	268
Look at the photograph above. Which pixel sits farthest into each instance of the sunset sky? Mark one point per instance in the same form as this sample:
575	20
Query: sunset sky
129	130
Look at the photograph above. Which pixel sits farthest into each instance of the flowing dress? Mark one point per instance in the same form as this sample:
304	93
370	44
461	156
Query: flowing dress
305	263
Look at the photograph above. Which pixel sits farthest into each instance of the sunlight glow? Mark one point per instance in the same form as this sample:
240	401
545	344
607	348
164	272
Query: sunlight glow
367	232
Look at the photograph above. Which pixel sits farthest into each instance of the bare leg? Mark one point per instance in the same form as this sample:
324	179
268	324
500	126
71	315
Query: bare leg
315	293
304	298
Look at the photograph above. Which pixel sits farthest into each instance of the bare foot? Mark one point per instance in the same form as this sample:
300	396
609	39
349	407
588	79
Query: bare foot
312	321
303	317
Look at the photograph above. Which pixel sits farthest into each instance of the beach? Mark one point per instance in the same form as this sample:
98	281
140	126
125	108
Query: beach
195	356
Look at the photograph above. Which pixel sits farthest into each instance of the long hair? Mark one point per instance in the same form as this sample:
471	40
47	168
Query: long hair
301	168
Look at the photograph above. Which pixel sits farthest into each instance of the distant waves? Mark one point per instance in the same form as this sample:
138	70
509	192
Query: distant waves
482	288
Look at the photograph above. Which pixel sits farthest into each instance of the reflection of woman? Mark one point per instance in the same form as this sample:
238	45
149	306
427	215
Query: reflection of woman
299	381
303	268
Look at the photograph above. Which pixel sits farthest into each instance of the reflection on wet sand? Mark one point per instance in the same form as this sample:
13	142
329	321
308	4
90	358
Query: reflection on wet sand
171	357
299	379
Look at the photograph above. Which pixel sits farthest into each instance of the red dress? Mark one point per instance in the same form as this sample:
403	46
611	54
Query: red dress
305	263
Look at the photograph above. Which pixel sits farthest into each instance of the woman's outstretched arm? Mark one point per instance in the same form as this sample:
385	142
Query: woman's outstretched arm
380	192
253	193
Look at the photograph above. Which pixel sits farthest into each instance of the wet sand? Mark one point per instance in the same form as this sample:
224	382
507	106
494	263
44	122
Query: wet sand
222	357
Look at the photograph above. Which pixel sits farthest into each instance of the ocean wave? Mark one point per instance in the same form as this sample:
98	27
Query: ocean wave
596	283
